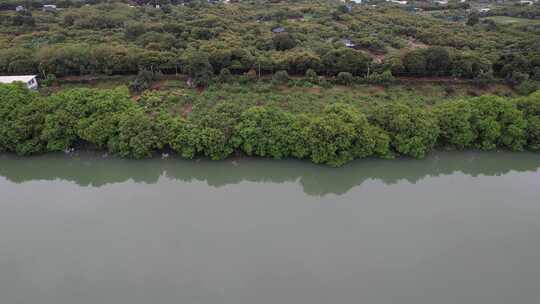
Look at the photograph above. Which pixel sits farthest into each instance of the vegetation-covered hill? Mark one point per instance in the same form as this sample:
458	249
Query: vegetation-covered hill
328	81
118	37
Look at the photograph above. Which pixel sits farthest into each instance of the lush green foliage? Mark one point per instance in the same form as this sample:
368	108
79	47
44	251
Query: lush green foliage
498	123
530	106
110	120
344	78
412	131
199	69
454	120
21	120
265	132
281	77
142	81
201	38
484	123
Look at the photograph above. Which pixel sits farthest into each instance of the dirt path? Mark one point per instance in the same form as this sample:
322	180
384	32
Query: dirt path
449	80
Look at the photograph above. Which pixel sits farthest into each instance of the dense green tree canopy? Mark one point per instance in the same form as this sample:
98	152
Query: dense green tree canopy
412	131
114	37
107	119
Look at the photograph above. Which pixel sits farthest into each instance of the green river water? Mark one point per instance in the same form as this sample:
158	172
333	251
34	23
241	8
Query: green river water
454	228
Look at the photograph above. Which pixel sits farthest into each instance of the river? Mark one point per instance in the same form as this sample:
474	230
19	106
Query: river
452	228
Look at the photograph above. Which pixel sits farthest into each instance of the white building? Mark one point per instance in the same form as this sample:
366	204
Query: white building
49	8
29	80
348	43
400	2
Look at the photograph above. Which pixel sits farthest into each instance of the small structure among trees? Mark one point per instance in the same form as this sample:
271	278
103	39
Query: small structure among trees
278	30
29	80
49	8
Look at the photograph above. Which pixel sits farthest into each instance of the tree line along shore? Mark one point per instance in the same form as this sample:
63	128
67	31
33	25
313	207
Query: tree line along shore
109	120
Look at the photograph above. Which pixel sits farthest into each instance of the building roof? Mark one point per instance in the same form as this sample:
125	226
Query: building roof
10	79
349	43
279	30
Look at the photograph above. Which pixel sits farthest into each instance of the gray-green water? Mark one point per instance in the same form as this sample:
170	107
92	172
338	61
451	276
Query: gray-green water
453	228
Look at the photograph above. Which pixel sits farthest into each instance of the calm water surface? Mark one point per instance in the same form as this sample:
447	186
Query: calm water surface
455	228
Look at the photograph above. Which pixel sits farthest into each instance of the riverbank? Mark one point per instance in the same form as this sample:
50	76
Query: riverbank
338	132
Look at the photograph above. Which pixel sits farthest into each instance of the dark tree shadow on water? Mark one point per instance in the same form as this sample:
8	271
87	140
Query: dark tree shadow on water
87	169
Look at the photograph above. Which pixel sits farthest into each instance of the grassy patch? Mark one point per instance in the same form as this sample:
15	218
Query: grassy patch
504	20
176	97
301	99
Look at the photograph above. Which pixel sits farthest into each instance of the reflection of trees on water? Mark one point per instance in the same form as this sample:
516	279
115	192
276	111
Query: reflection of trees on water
89	170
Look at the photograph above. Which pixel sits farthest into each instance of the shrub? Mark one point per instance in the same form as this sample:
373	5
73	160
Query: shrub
454	120
536	74
264	132
394	64
311	76
136	135
210	134
88	115
413	131
517	77
22	113
283	41
415	63
434	61
225	75
383	78
199	69
473	18
527	87
437	61
498	123
281	77
342	134
109	119
530	106
345	60
484	78
345	78
143	81
49	80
